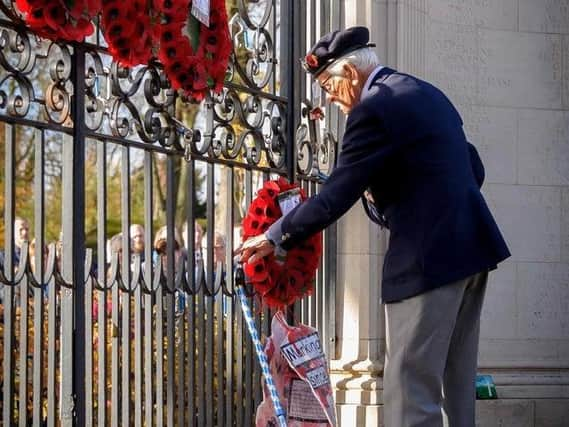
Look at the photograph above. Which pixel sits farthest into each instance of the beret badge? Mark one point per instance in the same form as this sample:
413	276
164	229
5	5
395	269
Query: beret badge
311	61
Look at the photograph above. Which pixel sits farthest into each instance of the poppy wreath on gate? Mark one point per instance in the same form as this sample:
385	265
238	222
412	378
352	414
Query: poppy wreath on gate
194	56
279	282
60	20
129	30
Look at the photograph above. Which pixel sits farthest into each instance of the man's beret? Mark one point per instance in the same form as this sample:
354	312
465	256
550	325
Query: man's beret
333	46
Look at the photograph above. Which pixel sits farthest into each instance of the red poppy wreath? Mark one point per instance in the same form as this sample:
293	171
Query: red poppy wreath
194	56
67	20
279	282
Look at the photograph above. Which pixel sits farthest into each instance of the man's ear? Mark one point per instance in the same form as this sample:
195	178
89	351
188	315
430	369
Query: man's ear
351	72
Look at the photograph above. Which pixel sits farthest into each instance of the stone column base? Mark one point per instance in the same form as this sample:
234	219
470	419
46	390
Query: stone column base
359	415
358	393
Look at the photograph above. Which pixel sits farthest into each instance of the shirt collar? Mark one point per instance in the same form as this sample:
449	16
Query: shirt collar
369	81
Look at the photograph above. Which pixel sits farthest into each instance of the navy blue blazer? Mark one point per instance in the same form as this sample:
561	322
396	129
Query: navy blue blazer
404	143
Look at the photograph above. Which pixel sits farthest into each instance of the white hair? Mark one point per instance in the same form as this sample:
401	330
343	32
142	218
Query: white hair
365	60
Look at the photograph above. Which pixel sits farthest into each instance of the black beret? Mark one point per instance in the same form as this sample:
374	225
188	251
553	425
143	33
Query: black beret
333	46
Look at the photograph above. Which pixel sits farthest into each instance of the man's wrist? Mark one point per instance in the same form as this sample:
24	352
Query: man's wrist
271	241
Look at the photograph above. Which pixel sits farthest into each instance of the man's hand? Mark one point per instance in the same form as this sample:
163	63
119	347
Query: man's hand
256	248
369	196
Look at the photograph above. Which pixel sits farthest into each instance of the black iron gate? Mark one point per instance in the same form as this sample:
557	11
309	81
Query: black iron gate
109	314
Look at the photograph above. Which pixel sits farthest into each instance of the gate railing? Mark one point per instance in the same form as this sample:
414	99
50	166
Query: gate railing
104	322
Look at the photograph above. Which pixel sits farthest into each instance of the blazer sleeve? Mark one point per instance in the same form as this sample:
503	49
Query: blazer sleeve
477	166
364	150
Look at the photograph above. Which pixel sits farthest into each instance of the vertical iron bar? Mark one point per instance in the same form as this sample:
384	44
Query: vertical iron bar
23	353
170	292
115	348
148	298
191	304
101	276
89	349
291	100
200	377
138	345
311	190
73	391
125	297
22	346
229	321
219	337
53	335
240	336
52	406
200	344
305	316
39	226
220	353
139	329
248	344
160	355
8	291
192	361
138	372
319	290
115	354
210	208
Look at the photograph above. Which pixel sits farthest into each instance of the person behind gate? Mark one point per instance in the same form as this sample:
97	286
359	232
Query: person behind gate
405	155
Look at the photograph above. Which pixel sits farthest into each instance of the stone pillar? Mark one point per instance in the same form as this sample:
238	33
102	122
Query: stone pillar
356	373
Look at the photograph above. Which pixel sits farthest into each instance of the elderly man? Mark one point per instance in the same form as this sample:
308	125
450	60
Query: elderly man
137	240
405	154
21	234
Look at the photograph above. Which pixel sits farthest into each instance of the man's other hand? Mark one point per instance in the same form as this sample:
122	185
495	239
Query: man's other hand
256	248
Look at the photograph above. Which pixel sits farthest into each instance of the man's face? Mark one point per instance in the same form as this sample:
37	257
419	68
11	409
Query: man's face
21	232
137	239
198	235
342	90
219	249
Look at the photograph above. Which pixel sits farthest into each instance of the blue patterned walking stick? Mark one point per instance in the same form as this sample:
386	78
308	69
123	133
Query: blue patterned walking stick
240	282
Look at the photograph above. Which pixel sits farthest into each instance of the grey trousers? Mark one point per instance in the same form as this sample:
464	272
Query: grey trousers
431	356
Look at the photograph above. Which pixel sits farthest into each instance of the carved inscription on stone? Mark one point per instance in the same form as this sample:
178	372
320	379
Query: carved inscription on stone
493	131
495	14
544	16
453	61
543	147
498	320
529	218
520	69
543	298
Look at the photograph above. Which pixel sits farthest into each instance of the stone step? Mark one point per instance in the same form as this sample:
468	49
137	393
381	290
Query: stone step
522	413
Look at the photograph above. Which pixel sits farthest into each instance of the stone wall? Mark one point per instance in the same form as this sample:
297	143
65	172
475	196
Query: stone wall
505	65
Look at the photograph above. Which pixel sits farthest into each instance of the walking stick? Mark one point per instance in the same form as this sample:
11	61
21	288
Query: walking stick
239	285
